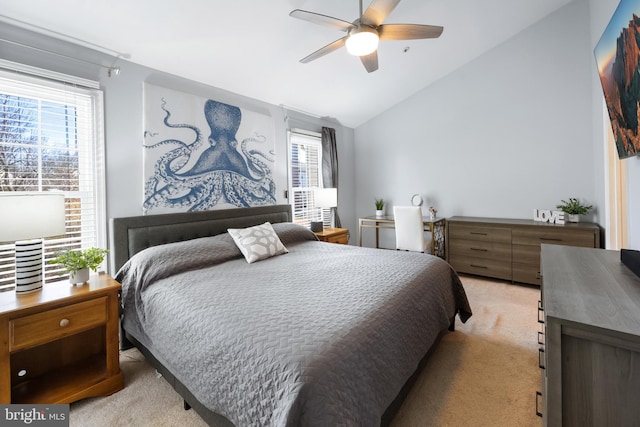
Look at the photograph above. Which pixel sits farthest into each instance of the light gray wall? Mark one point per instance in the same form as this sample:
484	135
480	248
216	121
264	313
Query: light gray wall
124	119
507	133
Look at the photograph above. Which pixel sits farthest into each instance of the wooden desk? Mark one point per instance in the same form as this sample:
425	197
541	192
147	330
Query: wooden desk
436	226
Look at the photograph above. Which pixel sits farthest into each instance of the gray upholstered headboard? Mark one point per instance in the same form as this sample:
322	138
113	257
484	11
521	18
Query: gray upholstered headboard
130	235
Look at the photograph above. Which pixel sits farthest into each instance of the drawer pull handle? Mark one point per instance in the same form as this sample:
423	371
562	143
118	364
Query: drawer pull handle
478	234
64	322
540	337
549	239
479	249
540	315
538	413
478	266
541	358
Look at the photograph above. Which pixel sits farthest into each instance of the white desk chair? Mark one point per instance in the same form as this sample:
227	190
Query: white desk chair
409	228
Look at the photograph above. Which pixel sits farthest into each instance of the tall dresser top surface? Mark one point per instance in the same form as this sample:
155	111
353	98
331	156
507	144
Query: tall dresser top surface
522	222
590	286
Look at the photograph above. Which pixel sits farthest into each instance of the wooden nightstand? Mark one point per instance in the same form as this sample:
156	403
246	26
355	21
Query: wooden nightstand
334	235
60	344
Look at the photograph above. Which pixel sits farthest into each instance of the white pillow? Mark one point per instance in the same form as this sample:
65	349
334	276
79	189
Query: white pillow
258	242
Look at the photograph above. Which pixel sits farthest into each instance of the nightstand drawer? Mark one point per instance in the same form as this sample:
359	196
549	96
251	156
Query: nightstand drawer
50	325
340	238
333	235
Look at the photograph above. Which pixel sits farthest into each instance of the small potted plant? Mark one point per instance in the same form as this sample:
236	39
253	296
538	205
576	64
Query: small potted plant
379	208
573	208
78	263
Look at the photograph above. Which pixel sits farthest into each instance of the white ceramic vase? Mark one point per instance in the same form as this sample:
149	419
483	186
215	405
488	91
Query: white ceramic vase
79	277
379	213
573	217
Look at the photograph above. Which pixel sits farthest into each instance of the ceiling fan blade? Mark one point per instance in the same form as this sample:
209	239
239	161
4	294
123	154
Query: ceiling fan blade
324	50
324	20
408	31
370	61
378	11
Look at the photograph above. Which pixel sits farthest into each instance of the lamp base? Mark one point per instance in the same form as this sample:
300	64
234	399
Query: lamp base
317	226
28	266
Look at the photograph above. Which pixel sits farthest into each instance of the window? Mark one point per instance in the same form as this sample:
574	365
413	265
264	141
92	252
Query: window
51	139
616	191
305	174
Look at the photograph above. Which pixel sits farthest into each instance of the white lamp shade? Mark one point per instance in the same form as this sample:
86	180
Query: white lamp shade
326	197
362	42
26	216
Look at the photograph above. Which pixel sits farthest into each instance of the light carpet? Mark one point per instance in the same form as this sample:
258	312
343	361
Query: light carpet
483	374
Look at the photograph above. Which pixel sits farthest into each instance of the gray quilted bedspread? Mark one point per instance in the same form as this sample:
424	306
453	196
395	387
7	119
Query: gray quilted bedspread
325	335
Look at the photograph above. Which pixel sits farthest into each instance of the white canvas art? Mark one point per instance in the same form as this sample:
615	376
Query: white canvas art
203	154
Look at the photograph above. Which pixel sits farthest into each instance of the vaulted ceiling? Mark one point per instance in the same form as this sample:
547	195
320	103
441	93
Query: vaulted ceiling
253	47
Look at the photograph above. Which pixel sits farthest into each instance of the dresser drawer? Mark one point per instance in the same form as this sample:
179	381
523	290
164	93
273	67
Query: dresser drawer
482	266
479	233
480	249
39	328
525	254
525	273
570	237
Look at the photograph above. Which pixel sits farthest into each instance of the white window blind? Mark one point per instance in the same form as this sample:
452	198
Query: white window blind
305	174
51	138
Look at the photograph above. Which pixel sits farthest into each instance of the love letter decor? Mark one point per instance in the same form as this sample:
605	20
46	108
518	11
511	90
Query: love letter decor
547	215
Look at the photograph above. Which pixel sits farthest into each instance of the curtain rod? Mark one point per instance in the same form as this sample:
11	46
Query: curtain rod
286	108
111	70
61	36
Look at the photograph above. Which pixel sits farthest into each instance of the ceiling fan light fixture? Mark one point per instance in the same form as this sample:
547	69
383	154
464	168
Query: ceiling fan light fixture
362	41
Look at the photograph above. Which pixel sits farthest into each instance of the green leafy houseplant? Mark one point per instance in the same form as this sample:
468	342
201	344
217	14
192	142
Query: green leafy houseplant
574	207
379	204
75	260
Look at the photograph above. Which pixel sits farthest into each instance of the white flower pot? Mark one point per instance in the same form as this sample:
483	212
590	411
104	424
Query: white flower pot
79	277
379	213
573	217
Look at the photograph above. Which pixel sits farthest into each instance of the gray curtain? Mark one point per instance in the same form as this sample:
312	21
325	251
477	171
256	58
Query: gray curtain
330	165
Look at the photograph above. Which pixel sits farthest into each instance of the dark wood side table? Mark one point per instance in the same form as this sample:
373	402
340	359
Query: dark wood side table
60	344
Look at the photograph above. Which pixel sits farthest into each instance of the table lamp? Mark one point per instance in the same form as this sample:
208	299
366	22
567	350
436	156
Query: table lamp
324	198
25	218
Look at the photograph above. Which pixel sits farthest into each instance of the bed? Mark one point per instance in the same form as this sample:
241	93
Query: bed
320	335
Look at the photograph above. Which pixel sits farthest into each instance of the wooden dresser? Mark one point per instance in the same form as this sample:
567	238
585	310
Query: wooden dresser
590	339
510	248
60	344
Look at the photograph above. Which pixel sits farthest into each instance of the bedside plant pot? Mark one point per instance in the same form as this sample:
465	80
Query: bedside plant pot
573	217
79	277
379	213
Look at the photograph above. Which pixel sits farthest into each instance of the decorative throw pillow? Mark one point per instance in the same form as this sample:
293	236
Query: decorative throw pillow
258	242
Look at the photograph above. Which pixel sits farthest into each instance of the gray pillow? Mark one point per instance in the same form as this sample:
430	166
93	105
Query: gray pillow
258	242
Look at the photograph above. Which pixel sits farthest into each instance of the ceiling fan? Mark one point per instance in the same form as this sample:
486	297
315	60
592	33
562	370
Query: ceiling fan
364	33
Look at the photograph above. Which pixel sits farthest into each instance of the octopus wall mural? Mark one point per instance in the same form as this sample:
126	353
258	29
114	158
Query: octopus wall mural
203	154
